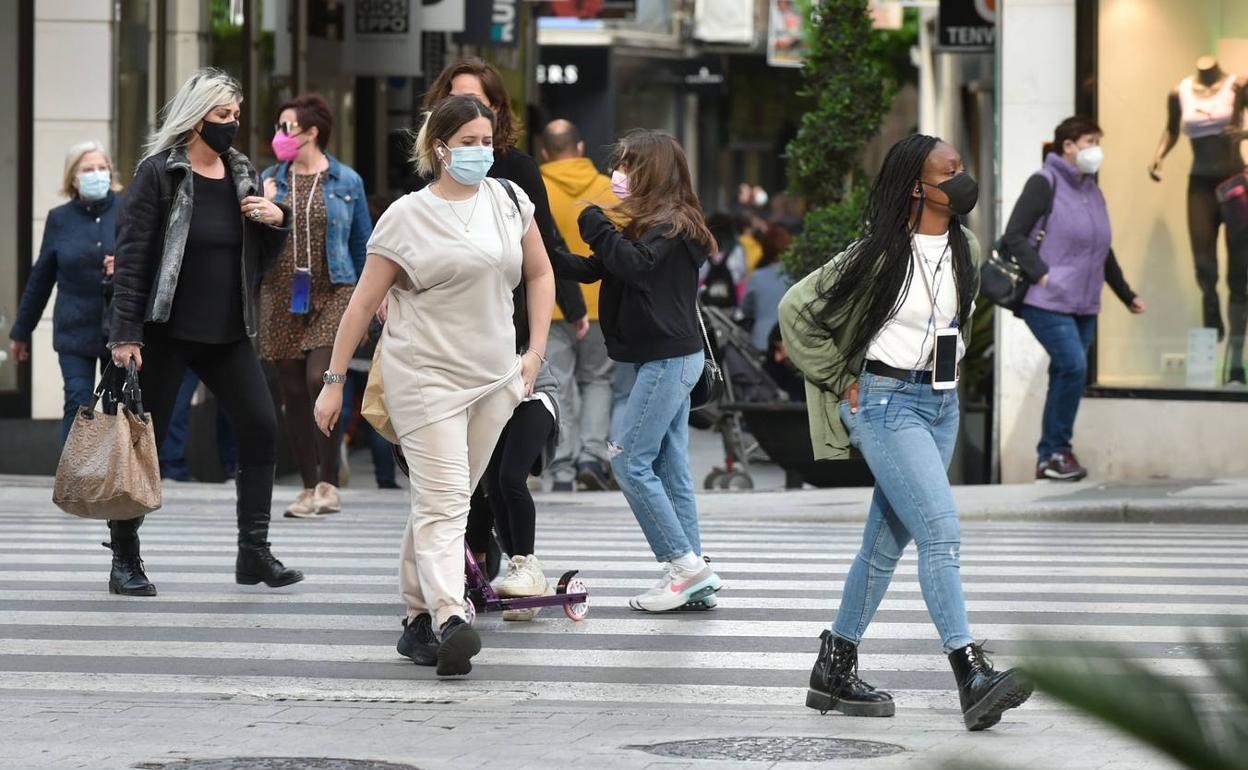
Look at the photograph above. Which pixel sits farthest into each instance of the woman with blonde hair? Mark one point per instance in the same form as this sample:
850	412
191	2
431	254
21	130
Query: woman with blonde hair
447	259
195	238
76	257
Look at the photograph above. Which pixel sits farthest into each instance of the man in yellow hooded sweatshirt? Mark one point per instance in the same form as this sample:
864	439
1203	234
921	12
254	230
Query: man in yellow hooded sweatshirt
578	354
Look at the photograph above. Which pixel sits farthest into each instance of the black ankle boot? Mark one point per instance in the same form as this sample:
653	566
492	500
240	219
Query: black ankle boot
835	686
984	692
256	563
127	577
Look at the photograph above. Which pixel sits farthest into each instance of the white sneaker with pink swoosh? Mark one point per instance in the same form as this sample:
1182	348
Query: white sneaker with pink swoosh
677	588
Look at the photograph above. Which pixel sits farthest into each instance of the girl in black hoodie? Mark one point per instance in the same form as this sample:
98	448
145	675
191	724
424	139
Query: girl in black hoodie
647	252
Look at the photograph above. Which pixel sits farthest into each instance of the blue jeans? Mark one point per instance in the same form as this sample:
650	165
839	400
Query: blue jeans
652	466
78	375
382	450
906	432
1067	339
621	386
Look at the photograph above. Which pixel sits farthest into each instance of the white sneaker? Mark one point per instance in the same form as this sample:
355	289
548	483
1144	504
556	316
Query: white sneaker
303	507
677	588
326	498
525	578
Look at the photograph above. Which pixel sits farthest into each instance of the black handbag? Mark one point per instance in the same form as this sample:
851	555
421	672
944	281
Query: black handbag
710	386
1001	278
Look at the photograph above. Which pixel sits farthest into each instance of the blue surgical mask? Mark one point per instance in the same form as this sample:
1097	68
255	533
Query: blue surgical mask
93	185
469	165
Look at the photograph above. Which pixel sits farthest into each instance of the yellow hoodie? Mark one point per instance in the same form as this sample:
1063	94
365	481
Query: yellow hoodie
571	184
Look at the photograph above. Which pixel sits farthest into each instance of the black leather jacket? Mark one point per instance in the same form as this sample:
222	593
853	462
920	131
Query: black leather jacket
151	238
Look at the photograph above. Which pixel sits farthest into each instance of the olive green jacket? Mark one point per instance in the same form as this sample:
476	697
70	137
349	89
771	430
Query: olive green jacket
816	353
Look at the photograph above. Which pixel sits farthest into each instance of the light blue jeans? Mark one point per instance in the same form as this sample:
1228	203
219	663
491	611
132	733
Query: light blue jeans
907	432
652	466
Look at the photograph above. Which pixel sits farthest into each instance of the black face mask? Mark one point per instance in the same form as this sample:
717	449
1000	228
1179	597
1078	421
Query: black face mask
962	191
218	136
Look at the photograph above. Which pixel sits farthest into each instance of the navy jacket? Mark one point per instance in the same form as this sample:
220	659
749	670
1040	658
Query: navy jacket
76	238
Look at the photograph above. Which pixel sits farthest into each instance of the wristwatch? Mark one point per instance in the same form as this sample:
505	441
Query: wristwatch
329	378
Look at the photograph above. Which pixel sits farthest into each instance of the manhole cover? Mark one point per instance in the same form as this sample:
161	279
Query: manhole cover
773	749
274	763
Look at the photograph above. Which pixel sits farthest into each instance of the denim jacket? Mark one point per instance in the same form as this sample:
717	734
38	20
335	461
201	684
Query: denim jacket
346	209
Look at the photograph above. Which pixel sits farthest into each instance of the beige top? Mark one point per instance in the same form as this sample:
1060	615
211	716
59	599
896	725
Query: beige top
449	339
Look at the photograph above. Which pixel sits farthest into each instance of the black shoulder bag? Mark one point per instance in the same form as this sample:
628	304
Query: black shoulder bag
1001	278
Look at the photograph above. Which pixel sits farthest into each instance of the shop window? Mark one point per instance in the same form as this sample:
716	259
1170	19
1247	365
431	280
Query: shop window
1178	71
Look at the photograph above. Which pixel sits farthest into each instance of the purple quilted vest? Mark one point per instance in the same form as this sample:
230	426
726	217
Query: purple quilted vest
1076	243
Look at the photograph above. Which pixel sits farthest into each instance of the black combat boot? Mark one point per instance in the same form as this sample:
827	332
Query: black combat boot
256	563
835	686
127	576
985	693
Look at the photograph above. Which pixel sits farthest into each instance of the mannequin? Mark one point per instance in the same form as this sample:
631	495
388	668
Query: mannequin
1209	107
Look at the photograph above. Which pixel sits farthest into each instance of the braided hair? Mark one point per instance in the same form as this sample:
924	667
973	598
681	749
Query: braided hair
874	275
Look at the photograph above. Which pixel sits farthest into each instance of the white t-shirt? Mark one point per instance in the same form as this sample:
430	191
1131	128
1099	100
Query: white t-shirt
449	338
906	341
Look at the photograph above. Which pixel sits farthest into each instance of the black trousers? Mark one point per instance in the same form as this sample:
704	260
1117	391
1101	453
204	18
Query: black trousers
503	498
1204	217
232	372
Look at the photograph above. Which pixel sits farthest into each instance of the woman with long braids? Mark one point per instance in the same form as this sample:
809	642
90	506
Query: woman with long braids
862	331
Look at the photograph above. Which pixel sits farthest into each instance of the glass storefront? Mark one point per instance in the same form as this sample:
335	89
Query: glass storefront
1166	73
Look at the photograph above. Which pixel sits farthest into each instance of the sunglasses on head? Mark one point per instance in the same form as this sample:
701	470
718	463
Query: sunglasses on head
286	127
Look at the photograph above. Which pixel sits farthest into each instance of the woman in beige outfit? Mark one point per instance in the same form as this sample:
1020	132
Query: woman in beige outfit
447	259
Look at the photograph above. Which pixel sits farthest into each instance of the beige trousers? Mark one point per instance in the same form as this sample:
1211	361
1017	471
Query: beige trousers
447	459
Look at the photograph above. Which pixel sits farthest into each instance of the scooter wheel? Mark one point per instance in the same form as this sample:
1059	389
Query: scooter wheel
578	610
470	611
736	480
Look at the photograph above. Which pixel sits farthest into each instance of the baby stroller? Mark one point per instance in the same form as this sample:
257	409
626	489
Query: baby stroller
745	381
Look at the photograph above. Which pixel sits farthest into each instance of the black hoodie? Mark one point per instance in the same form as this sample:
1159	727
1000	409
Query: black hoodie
648	303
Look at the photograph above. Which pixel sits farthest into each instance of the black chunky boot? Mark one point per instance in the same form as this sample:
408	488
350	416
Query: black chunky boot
256	563
984	692
127	577
835	686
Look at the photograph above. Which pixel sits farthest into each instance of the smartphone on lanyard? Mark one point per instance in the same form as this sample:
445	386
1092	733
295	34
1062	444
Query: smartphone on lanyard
945	360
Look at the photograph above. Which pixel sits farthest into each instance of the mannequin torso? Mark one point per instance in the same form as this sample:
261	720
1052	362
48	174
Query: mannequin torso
1208	107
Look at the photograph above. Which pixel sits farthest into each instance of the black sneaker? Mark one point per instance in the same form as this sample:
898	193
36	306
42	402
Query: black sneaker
1064	466
1042	470
593	477
460	642
418	641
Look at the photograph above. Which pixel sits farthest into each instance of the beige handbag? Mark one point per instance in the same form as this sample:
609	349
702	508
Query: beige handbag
373	403
108	467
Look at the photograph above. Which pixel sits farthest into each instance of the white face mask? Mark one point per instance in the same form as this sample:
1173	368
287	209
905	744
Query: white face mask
1089	159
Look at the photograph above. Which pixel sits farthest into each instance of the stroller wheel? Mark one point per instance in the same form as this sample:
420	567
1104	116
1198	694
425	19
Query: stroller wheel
736	480
712	479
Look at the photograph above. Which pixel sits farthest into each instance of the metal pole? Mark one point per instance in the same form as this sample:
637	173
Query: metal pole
299	47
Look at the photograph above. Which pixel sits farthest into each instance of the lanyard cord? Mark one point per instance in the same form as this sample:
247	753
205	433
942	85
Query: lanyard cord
307	220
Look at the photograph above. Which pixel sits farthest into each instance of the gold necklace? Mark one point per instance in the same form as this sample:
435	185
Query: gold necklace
466	223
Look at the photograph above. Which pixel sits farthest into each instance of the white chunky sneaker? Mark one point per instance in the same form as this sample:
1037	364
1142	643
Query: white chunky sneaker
525	578
326	498
677	588
303	507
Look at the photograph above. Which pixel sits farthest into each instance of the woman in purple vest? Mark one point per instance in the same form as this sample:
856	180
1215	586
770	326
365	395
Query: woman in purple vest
1068	263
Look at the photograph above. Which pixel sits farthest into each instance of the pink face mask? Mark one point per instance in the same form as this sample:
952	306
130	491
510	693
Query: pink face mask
285	146
619	184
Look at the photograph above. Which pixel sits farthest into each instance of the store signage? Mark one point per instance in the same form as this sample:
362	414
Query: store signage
558	74
442	15
492	22
381	37
967	25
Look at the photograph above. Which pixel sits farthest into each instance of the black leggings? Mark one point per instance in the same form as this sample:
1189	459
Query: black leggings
1204	217
315	453
232	372
503	497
